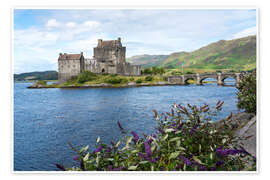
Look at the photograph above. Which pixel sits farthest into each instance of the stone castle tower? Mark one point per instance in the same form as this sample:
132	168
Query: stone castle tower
109	57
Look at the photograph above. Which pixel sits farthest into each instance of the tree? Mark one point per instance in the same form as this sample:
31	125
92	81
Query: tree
247	93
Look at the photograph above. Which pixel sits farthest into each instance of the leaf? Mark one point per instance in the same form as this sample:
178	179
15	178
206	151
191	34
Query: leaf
143	162
165	137
86	157
98	139
174	155
128	141
84	149
198	160
169	130
132	167
134	151
118	143
174	139
110	159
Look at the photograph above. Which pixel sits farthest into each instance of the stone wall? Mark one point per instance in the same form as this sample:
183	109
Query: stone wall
68	68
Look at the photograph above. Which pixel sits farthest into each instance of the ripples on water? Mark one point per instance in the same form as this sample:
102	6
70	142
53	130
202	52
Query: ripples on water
46	119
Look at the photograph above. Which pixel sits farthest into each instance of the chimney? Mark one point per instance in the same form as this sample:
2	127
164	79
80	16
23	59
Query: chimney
119	39
99	42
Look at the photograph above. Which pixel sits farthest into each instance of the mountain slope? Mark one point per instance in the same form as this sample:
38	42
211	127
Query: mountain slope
231	54
147	60
45	75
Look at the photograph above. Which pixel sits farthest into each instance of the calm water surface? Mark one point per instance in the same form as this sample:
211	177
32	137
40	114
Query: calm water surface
46	119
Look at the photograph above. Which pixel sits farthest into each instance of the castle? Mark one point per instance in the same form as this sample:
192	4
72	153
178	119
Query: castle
109	58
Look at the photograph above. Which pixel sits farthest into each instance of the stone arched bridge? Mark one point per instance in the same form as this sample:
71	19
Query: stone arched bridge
220	77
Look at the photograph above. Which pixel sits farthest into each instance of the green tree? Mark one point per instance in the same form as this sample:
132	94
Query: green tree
247	93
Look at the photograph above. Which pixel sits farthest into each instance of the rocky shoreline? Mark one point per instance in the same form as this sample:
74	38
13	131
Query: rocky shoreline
106	85
102	85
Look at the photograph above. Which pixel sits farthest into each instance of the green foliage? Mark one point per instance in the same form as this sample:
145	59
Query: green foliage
41	82
189	72
131	79
177	73
116	80
154	70
86	76
247	93
149	78
232	54
186	140
139	81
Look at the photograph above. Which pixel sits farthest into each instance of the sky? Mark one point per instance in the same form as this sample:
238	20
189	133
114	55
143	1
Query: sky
39	35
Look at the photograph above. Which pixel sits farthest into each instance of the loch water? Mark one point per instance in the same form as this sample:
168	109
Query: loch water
46	119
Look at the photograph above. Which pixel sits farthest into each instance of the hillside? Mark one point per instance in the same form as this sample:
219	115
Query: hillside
45	75
147	60
232	54
236	54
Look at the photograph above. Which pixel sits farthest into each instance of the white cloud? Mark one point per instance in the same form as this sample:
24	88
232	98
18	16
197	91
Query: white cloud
71	24
91	24
52	23
245	32
142	31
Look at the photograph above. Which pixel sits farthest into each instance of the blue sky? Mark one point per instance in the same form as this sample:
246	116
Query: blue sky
41	34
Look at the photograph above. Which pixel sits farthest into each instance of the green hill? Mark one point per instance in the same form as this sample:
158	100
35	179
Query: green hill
147	60
236	54
45	75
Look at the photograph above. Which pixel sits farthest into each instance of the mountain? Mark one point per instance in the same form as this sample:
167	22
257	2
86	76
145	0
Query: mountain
147	60
45	75
231	54
236	54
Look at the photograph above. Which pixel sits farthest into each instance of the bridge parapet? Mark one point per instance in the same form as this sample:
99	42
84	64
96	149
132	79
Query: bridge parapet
220	77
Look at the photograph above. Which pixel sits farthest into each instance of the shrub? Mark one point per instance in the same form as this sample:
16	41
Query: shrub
139	81
176	73
86	76
131	79
41	82
189	72
149	78
116	80
186	140
247	93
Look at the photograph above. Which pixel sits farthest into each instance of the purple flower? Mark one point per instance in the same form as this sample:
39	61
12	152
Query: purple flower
147	149
161	169
61	167
75	158
110	168
119	125
180	126
219	163
186	161
98	149
150	140
212	169
108	149
135	137
193	129
225	152
118	169
141	155
161	130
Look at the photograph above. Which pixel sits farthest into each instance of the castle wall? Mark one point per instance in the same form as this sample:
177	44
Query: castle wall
68	68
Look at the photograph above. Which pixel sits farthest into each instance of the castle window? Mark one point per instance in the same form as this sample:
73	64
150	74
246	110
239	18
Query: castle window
103	70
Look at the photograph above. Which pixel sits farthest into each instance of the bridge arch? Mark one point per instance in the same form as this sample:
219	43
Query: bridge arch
207	77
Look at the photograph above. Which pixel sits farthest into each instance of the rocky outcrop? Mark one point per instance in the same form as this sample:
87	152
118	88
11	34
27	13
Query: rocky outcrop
247	136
